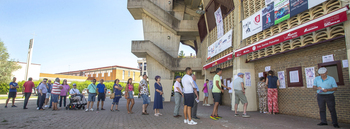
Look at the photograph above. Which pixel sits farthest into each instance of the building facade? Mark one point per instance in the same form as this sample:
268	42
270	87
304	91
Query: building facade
142	64
291	38
34	71
109	73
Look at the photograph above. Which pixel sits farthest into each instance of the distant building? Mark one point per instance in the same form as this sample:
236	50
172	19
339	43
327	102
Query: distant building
109	73
69	78
143	66
34	71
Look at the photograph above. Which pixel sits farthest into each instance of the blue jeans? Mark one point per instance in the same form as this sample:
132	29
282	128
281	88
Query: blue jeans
63	98
92	97
145	98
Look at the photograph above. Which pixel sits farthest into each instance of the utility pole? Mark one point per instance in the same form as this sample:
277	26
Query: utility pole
29	58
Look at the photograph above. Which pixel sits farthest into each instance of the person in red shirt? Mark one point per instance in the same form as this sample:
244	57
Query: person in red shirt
27	86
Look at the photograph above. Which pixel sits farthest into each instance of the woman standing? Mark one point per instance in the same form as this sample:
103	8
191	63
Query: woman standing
117	89
158	99
63	95
272	93
206	94
129	95
262	93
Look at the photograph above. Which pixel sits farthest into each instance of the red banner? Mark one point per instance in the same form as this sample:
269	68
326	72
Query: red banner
218	61
327	20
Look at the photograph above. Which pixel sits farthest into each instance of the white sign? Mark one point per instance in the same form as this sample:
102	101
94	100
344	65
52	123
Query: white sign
327	58
267	2
248	81
220	45
345	63
313	3
229	85
310	76
252	25
267	68
282	79
224	82
219	23
261	74
294	76
210	84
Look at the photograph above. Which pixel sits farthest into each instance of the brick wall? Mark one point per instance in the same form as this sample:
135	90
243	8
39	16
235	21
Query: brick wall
301	101
226	73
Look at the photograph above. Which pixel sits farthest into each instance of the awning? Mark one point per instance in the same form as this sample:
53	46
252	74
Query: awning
322	22
218	61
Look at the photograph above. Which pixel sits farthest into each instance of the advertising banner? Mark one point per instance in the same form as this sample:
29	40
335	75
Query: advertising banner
218	61
282	10
220	45
282	79
267	2
310	76
252	25
268	15
298	6
219	23
248	81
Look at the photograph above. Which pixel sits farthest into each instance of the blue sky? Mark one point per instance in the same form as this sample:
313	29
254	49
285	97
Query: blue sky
71	34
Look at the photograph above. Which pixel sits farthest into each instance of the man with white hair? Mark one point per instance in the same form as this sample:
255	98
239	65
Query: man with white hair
56	91
325	86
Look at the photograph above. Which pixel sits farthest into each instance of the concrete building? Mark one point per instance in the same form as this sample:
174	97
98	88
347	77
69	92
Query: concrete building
70	78
109	73
309	36
142	63
34	71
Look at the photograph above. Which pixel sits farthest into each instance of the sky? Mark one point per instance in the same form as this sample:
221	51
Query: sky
71	34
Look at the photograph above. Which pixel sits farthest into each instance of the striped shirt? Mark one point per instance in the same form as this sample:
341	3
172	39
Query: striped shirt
56	88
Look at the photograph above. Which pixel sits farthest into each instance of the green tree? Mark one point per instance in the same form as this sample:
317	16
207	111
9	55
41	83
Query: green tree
181	54
7	66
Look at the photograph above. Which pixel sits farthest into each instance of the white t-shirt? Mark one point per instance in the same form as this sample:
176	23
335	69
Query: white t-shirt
237	83
177	84
74	91
187	83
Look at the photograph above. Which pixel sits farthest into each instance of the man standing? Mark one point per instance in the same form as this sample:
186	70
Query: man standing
326	86
27	87
12	92
178	96
195	103
101	88
189	87
143	90
56	91
91	90
217	93
238	85
42	94
48	94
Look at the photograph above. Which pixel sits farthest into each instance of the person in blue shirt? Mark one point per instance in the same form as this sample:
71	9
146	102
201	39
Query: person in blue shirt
48	94
12	92
101	92
195	104
325	86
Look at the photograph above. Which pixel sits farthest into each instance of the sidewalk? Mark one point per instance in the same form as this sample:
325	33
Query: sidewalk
31	118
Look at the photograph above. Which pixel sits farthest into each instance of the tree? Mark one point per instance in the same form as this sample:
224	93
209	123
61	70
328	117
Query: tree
181	54
7	66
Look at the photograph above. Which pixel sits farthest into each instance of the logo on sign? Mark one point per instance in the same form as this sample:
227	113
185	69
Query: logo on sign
291	35
310	28
331	23
257	19
254	48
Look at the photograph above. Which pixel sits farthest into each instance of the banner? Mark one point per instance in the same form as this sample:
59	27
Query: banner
324	21
220	45
248	81
310	76
282	79
268	15
298	6
282	10
267	2
218	61
219	22
252	25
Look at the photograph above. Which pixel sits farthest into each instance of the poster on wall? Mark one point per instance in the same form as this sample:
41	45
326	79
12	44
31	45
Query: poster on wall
268	16
248	81
298	6
294	76
310	76
267	2
327	58
252	25
219	23
267	68
210	84
282	10
220	45
261	74
282	79
313	3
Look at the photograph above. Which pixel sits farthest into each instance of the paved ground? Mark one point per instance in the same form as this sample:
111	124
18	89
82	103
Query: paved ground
31	118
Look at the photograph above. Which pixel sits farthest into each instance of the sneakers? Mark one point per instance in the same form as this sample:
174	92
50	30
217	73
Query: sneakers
5	106
86	110
218	117
91	109
208	105
37	108
236	114
192	122
245	116
204	105
185	121
13	106
213	117
46	106
97	109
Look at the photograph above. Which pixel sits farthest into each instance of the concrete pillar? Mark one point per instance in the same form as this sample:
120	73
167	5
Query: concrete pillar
347	34
239	63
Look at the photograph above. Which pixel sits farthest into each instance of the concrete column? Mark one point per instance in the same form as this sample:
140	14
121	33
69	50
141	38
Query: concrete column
239	63
347	37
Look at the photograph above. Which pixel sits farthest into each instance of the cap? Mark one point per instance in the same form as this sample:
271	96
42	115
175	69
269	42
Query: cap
239	74
177	77
322	70
74	84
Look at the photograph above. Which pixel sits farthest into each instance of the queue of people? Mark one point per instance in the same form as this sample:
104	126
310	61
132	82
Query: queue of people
189	91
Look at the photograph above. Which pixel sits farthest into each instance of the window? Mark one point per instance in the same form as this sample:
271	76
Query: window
96	74
334	70
102	74
128	73
133	76
145	67
123	74
144	73
109	73
294	77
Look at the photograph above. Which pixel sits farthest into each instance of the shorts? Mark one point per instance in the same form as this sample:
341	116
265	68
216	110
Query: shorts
116	101
54	98
101	96
189	99
239	96
145	98
206	94
217	97
131	95
92	97
12	94
48	95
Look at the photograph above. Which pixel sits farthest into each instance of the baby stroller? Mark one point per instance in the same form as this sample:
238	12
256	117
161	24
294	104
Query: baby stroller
76	102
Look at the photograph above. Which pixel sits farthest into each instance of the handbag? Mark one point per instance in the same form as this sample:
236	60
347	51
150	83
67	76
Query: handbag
113	94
